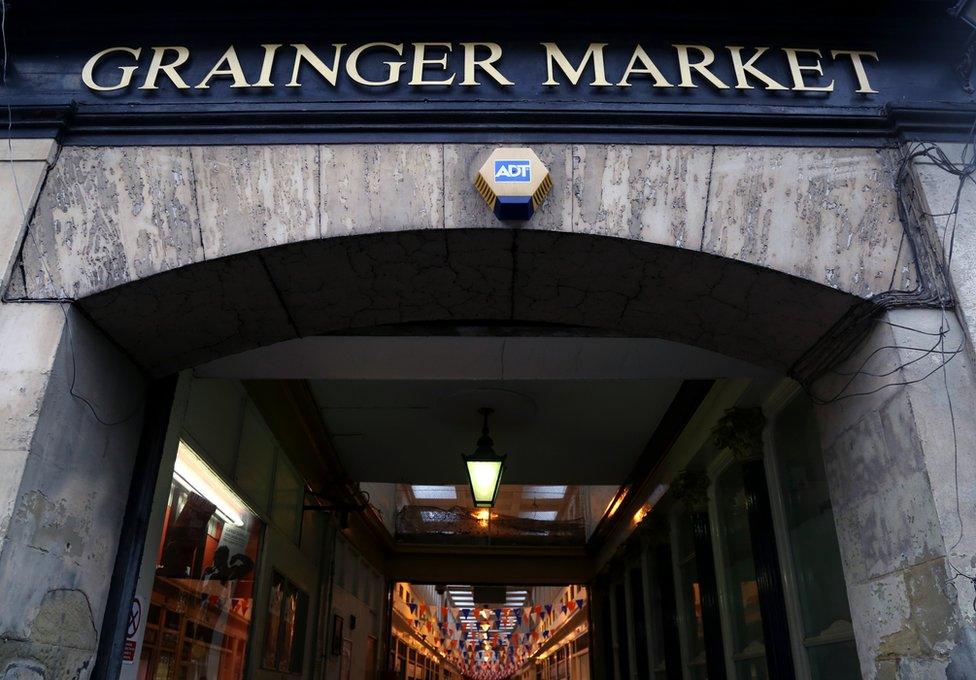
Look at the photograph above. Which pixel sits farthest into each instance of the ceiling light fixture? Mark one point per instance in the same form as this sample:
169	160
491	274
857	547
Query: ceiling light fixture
484	467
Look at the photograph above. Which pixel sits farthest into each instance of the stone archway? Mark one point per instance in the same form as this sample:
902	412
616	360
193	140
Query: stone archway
227	248
181	255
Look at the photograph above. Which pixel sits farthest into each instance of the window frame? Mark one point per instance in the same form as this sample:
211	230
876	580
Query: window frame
779	399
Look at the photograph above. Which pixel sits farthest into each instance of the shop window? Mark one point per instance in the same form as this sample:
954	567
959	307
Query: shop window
202	597
827	632
639	625
284	633
689	596
739	575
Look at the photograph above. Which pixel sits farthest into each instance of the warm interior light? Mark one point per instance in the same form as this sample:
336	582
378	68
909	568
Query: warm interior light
615	504
483	516
641	513
485	476
193	473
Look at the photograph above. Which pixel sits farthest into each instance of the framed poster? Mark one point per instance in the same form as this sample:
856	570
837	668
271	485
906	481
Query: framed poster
345	663
337	624
284	631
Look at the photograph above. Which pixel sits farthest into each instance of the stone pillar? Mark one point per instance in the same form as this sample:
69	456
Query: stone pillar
903	487
70	419
941	196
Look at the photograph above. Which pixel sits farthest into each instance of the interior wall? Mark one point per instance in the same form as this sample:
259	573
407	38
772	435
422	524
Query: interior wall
358	591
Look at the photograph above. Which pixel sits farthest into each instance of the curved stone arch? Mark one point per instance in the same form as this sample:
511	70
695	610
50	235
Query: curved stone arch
438	280
186	253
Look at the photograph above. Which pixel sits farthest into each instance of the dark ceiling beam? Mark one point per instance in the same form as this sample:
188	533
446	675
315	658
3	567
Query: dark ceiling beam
492	565
635	490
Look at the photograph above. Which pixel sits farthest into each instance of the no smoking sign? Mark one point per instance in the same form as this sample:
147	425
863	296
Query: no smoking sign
131	631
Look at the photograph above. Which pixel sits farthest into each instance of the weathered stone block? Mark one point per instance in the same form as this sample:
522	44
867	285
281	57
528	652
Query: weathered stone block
656	194
253	197
20	182
828	215
28	150
60	642
21	395
11	468
367	188
111	215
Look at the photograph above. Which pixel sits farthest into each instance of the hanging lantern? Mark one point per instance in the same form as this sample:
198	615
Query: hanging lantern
484	467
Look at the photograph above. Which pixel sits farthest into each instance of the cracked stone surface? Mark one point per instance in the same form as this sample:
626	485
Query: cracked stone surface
66	462
108	216
827	215
381	187
61	643
656	194
213	309
904	496
634	220
252	197
193	313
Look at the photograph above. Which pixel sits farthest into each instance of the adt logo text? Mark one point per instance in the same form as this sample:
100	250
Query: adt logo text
513	171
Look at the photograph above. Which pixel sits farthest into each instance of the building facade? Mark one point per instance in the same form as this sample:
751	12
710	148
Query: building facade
740	295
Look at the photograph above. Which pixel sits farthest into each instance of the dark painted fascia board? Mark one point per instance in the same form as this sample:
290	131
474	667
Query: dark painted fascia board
349	123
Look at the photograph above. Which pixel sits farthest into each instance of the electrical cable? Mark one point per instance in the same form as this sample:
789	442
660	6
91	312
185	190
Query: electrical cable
964	170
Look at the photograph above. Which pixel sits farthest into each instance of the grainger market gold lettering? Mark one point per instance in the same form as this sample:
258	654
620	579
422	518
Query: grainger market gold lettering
472	64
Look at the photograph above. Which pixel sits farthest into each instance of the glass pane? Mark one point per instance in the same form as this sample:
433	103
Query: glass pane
753	669
810	519
740	572
202	595
694	631
834	662
284	633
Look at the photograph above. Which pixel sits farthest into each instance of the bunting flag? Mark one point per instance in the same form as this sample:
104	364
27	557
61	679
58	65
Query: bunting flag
499	644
